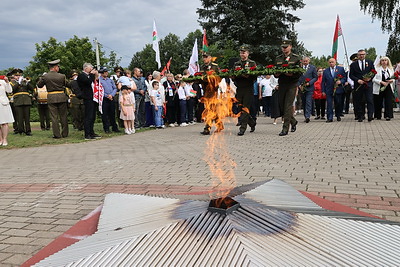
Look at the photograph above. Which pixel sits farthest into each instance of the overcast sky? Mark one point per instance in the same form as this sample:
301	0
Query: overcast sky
126	26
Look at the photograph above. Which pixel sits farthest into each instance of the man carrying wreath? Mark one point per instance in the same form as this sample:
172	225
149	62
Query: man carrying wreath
288	83
244	90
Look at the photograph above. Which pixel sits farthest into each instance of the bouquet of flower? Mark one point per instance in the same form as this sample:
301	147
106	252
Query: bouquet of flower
395	76
304	85
335	85
367	76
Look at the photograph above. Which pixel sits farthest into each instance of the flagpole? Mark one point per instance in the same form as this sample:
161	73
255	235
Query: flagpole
97	53
344	44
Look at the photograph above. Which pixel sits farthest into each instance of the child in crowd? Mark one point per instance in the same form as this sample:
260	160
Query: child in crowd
182	103
127	103
157	100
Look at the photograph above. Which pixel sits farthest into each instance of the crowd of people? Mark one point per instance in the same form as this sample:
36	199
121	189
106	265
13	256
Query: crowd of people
132	100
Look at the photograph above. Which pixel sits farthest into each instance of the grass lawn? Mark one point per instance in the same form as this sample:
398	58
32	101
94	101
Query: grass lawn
40	138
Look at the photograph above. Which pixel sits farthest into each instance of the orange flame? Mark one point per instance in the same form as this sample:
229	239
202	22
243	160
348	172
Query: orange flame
218	106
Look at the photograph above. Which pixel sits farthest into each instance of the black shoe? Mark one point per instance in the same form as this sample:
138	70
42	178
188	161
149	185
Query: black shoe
240	133
317	118
56	137
307	120
29	134
253	128
89	137
116	131
329	121
205	132
388	119
360	120
96	136
283	133
107	132
322	118
339	119
370	119
293	128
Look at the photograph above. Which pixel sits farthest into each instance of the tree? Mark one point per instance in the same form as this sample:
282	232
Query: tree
259	23
388	12
72	53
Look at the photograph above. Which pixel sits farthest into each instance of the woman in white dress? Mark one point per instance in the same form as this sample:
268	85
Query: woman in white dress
6	115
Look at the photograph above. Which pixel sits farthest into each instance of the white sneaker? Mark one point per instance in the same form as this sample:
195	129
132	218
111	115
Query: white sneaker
274	123
127	131
132	131
176	124
171	125
184	124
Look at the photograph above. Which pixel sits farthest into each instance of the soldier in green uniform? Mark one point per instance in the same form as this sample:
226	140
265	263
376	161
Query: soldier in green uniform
57	98
287	83
210	111
22	97
77	107
244	90
10	96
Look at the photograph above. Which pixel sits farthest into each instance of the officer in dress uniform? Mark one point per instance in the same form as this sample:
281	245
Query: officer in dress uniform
57	98
77	107
209	93
287	85
22	96
244	90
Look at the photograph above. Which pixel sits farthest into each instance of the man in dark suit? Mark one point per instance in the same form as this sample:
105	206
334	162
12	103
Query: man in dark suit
306	83
57	98
333	80
85	80
362	86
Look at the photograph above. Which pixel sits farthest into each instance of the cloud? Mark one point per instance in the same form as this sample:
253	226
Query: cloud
126	26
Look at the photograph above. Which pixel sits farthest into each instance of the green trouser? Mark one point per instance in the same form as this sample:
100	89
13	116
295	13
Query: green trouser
78	112
287	94
244	97
23	118
58	113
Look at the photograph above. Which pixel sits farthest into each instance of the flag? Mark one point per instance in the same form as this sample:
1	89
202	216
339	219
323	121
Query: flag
98	94
205	43
194	58
166	66
338	32
155	44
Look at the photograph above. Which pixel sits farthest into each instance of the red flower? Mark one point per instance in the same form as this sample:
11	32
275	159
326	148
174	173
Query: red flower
373	71
211	72
253	68
307	80
224	70
270	66
238	68
285	65
198	74
340	76
396	75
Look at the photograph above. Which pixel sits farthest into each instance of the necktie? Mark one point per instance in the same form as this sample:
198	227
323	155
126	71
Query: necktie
363	65
333	72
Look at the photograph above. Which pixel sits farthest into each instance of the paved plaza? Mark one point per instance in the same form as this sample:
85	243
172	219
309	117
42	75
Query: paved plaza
46	190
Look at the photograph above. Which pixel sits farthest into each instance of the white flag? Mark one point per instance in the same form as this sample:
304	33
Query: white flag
155	44
194	58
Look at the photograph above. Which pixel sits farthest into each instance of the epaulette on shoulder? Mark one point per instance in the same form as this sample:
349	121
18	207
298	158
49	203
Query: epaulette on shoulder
215	64
295	55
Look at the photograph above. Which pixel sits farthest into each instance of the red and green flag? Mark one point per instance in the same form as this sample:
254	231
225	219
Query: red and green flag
205	43
338	32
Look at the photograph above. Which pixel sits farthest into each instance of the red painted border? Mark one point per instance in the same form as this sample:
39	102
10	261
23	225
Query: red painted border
329	205
82	229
